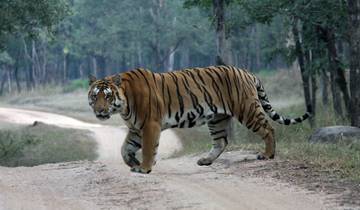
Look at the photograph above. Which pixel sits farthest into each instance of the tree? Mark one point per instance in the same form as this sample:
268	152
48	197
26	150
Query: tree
218	16
354	39
30	16
21	24
316	25
5	62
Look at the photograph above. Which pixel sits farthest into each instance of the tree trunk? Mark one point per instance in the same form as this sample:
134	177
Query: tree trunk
336	95
155	44
300	57
313	94
336	68
222	51
30	81
311	74
170	60
65	64
219	13
257	47
185	58
36	63
81	70
3	80
101	66
324	85
94	65
16	73
31	76
9	80
44	73
354	11
139	54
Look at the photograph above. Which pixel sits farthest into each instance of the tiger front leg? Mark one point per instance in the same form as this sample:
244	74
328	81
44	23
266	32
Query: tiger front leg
130	146
151	135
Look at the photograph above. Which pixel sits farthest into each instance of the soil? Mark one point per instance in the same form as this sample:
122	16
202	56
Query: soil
235	181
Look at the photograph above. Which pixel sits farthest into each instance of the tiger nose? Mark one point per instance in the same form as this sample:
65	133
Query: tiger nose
101	110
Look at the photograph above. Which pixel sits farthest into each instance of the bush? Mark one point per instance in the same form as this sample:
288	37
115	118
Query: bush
77	84
35	145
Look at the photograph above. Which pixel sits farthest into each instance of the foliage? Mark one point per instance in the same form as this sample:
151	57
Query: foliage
314	16
5	58
106	37
78	84
29	146
30	16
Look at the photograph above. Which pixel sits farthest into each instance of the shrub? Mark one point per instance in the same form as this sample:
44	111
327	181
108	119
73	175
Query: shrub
77	84
35	145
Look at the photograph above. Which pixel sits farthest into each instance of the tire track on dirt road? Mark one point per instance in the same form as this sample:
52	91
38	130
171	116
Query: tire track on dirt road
107	183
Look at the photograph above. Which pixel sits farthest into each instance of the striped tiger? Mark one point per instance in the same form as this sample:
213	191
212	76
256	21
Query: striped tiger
150	102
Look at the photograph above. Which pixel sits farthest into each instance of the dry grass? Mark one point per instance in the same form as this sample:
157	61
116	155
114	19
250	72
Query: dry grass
35	145
342	159
55	99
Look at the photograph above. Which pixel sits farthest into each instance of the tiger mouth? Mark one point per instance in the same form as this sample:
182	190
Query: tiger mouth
103	117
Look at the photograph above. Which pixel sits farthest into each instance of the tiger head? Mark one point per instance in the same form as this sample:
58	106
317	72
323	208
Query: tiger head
105	96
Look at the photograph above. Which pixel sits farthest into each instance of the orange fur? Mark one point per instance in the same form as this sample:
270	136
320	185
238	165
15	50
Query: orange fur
151	102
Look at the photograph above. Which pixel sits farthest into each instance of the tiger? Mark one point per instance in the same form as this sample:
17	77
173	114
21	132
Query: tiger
150	102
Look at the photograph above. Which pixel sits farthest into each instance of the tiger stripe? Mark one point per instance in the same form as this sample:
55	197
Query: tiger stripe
151	102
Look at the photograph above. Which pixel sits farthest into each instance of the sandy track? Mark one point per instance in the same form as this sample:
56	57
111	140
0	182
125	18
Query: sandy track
109	138
174	183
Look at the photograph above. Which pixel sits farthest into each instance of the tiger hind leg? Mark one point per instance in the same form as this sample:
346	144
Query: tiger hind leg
219	128
130	146
258	124
267	134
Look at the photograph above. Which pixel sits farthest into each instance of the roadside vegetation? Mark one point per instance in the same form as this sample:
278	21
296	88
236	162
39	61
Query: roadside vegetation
292	142
40	143
70	100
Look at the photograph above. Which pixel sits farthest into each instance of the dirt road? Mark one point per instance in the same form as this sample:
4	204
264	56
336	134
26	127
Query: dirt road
174	183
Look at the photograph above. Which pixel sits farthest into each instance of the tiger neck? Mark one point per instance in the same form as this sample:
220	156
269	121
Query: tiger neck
122	100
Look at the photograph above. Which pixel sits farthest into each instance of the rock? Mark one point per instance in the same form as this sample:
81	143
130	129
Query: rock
334	134
37	123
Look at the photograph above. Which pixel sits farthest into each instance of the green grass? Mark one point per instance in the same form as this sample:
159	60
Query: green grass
291	144
266	72
291	141
35	145
78	84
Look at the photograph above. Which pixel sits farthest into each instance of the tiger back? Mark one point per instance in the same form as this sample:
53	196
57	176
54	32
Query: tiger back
152	102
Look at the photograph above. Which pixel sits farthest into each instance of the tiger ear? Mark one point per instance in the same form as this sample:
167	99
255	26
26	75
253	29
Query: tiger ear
92	79
117	79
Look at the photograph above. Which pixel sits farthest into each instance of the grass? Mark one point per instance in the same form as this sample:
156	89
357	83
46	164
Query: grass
71	100
341	158
40	144
266	72
78	84
292	143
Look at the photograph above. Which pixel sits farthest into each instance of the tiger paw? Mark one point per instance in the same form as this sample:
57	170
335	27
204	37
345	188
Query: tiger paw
204	162
141	170
262	156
